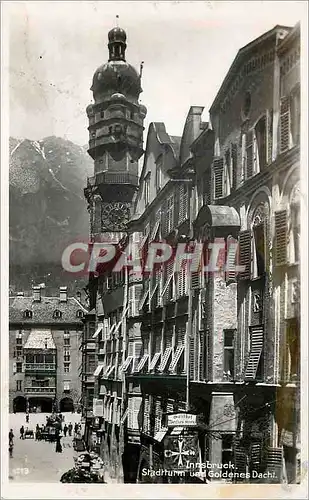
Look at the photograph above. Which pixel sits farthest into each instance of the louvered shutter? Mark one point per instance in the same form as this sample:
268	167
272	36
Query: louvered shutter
249	154
192	357
269	136
158	415
284	124
231	251
195	275
170	406
245	254
218	177
256	456
181	216
257	339
138	348
274	461
176	357
202	355
165	358
168	339
182	281
234	164
240	458
146	426
281	237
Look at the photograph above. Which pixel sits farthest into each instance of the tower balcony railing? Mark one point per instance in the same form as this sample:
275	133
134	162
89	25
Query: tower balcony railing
115	178
40	390
40	367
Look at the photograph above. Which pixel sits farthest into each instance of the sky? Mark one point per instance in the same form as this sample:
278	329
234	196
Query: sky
187	49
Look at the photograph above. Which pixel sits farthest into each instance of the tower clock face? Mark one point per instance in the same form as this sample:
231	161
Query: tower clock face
115	216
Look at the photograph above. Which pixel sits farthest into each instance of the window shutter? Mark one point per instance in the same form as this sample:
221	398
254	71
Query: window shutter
240	458
234	153
202	356
158	415
256	456
245	254
284	124
181	193
154	361
257	338
165	358
146	425
274	459
195	276
218	178
192	356
281	237
176	357
249	154
231	251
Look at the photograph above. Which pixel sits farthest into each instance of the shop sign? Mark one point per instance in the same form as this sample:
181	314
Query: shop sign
181	420
181	452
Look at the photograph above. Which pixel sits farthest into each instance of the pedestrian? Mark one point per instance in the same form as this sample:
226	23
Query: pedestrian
37	432
11	436
58	443
70	428
65	430
76	428
27	418
11	446
22	430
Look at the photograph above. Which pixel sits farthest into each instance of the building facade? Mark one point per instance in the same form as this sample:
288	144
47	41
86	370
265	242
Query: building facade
44	351
216	344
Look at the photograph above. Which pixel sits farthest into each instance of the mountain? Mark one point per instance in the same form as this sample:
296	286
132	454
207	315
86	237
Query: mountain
48	210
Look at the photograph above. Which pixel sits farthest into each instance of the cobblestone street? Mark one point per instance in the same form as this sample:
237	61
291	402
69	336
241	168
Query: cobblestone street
37	461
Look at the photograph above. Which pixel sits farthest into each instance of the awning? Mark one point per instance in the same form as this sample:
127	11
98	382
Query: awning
98	331
160	435
98	370
217	216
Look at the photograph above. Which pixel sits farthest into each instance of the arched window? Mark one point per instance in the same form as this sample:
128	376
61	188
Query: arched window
57	314
28	314
258	241
79	314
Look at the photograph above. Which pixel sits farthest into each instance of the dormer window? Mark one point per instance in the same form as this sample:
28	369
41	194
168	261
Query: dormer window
28	314
57	314
79	314
102	114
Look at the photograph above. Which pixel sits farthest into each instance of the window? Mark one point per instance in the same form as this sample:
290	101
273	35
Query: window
18	351
19	341
227	448
132	115
39	358
260	144
66	367
295	115
258	242
147	189
285	124
18	385
246	105
79	314
66	356
49	358
28	314
66	338
158	175
102	114
19	367
243	158
29	358
57	314
293	351
295	233
229	353
66	386
245	254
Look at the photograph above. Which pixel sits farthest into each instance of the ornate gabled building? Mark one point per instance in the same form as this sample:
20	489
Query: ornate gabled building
44	339
115	143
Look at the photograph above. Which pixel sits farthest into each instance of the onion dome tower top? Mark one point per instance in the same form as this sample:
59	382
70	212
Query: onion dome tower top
116	76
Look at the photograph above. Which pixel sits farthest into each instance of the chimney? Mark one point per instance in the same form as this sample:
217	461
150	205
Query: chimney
63	294
36	293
